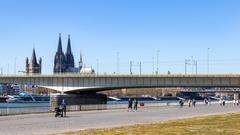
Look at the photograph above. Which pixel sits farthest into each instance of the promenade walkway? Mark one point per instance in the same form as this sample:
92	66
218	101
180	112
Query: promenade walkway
40	124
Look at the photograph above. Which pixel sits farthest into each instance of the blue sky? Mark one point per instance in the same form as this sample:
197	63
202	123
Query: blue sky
136	29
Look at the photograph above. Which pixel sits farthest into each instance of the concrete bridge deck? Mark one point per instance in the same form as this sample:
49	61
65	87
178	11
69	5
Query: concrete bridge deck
42	124
80	82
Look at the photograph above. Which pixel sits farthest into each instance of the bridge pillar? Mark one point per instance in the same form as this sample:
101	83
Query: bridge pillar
222	95
163	92
174	94
236	96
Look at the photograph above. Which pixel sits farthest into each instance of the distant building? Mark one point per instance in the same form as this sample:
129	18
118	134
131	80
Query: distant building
64	63
33	67
69	59
87	70
83	69
1	90
59	61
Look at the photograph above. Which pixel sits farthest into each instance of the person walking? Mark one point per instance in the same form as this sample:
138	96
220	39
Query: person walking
206	101
224	102
194	102
135	105
64	108
189	102
181	103
130	102
221	102
209	101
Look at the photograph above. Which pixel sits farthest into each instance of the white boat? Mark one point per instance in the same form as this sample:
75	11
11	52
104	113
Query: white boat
27	98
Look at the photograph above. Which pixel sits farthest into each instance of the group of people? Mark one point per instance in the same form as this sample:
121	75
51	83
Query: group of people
236	102
222	102
191	102
207	101
132	104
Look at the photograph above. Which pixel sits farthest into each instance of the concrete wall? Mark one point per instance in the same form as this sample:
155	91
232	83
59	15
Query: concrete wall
74	99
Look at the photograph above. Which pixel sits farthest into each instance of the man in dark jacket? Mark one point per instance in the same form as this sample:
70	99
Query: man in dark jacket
64	108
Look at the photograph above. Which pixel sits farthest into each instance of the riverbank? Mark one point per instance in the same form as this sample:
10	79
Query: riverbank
29	108
225	124
44	124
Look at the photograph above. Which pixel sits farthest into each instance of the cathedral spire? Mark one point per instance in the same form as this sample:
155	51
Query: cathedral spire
69	59
59	61
34	59
69	50
80	62
59	44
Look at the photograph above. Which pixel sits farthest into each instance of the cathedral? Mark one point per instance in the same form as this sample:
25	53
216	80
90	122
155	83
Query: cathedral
64	63
33	67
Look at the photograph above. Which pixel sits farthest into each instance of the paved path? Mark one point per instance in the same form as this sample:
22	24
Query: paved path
38	124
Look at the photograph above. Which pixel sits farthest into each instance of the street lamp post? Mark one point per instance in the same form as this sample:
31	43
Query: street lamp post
97	66
1	70
153	69
192	63
8	69
15	64
208	60
140	67
196	67
131	62
137	64
118	59
158	61
187	62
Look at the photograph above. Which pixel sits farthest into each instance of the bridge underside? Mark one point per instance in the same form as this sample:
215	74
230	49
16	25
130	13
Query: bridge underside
79	90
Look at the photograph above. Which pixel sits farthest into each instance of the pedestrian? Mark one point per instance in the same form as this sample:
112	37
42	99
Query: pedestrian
205	101
189	102
135	105
181	103
64	108
130	102
209	101
220	102
224	102
194	102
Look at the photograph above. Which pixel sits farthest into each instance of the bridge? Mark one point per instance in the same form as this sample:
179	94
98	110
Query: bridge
70	83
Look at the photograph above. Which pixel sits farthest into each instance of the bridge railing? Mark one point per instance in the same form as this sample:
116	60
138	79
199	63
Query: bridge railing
119	75
24	110
124	105
29	110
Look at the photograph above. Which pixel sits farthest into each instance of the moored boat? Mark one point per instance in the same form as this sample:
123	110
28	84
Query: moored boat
28	98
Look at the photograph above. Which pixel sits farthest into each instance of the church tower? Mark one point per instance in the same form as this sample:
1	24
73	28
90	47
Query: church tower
33	67
69	59
59	61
